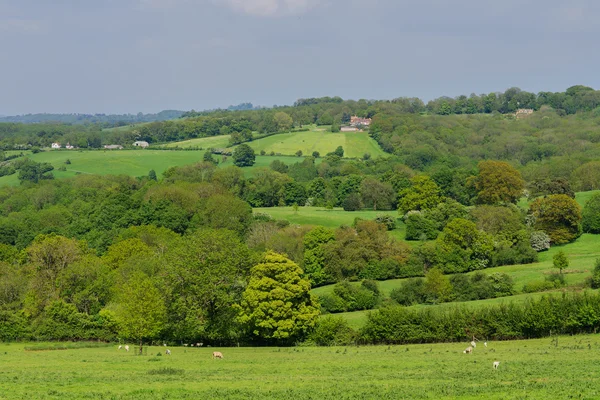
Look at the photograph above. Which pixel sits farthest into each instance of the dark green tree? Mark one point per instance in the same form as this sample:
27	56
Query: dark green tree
243	156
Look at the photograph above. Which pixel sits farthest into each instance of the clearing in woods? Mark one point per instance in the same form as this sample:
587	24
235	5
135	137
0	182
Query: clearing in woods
563	367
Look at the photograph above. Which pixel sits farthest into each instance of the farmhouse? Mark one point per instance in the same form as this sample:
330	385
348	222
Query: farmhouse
69	147
113	147
56	145
141	144
356	121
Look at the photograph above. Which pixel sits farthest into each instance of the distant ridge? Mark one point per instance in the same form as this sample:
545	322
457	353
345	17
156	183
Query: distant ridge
76	118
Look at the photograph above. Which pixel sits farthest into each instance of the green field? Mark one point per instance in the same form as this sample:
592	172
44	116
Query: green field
320	139
330	218
355	144
533	369
129	162
216	142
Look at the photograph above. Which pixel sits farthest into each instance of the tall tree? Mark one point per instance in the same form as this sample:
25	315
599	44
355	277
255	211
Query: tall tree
498	182
243	156
140	309
559	216
277	305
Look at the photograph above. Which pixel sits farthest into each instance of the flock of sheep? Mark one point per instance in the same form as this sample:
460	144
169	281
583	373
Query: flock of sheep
469	350
215	354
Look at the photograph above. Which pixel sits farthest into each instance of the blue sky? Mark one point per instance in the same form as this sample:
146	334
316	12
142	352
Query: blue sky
119	56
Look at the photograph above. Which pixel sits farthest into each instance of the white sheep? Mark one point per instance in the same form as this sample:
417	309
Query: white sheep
495	364
168	352
485	344
120	347
473	344
126	347
468	350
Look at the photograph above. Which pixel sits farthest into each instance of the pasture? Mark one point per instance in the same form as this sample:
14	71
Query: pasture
355	144
216	142
129	162
330	218
563	367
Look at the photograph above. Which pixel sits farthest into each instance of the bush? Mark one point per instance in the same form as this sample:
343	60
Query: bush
538	286
352	203
332	303
332	331
591	215
540	241
380	270
387	220
568	314
522	253
595	280
558	280
420	228
411	292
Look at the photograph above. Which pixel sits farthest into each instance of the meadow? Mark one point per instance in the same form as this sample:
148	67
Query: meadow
562	367
355	144
129	162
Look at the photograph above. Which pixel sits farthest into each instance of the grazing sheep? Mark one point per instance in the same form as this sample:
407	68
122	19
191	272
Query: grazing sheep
473	344
217	354
192	345
126	347
199	344
120	347
485	344
168	352
185	345
496	363
468	350
164	344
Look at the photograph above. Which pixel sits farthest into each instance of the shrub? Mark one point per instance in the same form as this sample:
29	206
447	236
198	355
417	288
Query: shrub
387	220
595	281
420	228
332	303
380	270
540	241
352	203
558	280
332	331
538	286
591	215
411	292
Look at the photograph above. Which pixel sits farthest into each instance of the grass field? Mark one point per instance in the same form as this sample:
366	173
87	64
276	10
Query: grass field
533	369
216	142
330	218
320	139
129	162
355	144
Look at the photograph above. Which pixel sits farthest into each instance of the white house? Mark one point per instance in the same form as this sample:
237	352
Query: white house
68	146
56	145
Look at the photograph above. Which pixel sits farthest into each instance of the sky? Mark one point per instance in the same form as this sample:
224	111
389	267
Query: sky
129	56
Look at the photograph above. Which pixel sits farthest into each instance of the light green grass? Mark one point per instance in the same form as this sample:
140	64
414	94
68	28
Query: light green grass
217	142
330	218
130	162
355	144
533	369
580	197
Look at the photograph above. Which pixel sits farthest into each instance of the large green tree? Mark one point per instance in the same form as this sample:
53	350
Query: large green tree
559	216
277	305
243	156
591	215
498	182
423	194
140	309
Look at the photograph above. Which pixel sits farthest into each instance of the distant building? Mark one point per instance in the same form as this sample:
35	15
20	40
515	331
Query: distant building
355	121
68	146
348	129
113	147
56	145
523	112
141	144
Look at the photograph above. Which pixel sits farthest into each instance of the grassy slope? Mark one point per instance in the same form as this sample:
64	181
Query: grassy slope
355	144
129	162
533	369
329	218
205	143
